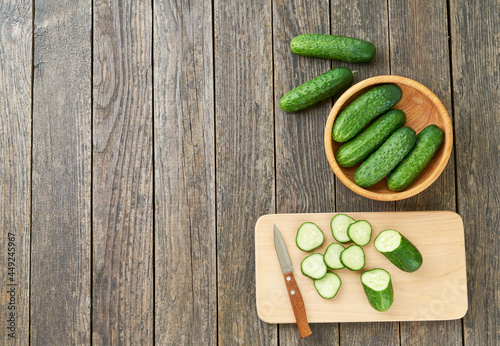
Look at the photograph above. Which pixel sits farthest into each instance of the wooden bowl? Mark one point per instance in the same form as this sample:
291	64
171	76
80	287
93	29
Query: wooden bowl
422	107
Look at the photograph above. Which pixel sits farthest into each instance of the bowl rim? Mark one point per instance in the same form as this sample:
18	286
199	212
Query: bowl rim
411	191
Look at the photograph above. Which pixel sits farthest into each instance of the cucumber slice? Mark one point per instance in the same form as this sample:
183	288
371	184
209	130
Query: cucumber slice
314	266
353	257
399	250
339	225
309	236
377	284
328	286
360	232
332	256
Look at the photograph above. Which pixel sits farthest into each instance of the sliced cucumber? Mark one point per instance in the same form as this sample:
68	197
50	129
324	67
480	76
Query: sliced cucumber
377	284
328	286
309	236
360	232
353	257
339	225
332	256
314	266
399	250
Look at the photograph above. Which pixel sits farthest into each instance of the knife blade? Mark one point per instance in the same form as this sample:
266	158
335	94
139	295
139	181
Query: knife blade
298	307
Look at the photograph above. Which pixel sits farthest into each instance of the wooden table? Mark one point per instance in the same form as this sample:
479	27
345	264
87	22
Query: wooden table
141	140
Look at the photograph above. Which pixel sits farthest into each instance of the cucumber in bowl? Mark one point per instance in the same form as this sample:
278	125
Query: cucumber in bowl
399	250
377	285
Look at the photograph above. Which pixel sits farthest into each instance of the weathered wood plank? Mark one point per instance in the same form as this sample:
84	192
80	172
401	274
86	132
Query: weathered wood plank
186	282
15	169
244	160
303	182
60	251
419	50
367	21
475	38
122	182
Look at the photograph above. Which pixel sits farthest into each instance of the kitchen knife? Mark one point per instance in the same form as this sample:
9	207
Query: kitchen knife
299	309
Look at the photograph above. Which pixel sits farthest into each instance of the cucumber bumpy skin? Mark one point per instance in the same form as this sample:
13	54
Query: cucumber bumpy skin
377	284
333	47
428	142
364	109
383	161
364	144
317	89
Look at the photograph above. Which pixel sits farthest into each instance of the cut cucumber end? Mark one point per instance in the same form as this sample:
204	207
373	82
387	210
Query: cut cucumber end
332	256
387	240
339	225
353	257
309	236
314	266
376	279
328	286
360	232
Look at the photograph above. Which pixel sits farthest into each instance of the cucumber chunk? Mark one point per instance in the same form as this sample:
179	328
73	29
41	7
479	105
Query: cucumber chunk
360	232
353	257
314	266
399	250
309	236
377	285
339	225
332	256
328	286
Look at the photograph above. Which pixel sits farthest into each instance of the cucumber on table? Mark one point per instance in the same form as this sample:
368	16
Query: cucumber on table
316	90
360	232
364	109
399	250
364	144
428	142
333	47
332	256
328	286
353	258
377	285
314	266
339	225
309	236
383	161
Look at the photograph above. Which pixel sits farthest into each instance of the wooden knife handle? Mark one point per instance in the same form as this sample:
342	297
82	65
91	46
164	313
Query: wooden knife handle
299	310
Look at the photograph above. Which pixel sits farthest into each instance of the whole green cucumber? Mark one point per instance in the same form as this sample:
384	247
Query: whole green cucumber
318	89
364	109
333	47
364	144
428	142
383	161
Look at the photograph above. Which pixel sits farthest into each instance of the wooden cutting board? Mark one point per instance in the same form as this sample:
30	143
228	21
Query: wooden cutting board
437	291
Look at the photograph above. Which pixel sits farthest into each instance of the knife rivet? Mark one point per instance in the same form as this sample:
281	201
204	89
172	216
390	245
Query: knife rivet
288	278
292	292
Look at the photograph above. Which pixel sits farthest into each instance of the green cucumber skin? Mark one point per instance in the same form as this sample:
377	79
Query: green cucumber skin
428	142
406	256
380	300
333	47
383	161
364	144
364	109
317	89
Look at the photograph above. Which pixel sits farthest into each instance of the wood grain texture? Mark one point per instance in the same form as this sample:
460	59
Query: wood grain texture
475	53
244	160
419	50
122	182
367	21
436	291
185	268
302	180
15	169
60	251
